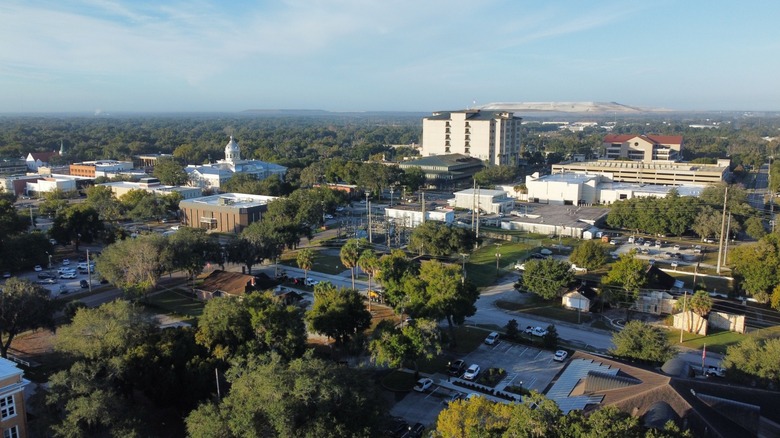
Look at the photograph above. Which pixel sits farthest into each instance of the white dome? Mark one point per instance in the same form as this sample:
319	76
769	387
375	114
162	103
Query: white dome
232	151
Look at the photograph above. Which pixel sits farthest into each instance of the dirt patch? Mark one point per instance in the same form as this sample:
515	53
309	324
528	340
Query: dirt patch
33	345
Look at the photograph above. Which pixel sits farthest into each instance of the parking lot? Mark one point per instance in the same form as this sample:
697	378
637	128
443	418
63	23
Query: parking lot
525	366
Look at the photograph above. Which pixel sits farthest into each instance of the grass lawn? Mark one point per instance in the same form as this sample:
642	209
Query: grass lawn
323	262
716	342
481	264
176	304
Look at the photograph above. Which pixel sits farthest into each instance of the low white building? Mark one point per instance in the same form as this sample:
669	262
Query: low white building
490	201
569	188
556	220
50	184
581	298
213	176
407	217
152	185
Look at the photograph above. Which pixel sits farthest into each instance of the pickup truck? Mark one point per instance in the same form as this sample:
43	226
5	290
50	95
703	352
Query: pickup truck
535	331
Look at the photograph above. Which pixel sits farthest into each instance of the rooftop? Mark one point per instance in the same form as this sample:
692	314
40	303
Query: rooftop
567	177
235	200
665	165
567	216
474	114
442	161
482	192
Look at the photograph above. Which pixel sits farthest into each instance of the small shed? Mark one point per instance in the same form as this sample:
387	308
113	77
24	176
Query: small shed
580	298
590	233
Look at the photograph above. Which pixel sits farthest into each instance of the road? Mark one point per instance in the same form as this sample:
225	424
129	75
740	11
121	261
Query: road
757	193
489	313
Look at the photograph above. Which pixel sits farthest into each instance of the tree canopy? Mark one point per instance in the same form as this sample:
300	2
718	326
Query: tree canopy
24	306
337	313
438	239
546	278
590	254
642	341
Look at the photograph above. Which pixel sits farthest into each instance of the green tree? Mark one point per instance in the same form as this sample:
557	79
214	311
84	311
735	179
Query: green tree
440	292
135	265
699	303
754	359
625	279
243	251
369	263
642	341
104	333
10	221
224	327
350	254
707	223
169	172
393	269
591	255
754	227
546	278
438	239
757	266
413	178
305	260
102	199
24	306
414	341
337	314
306	397
190	249
53	203
77	223
276	326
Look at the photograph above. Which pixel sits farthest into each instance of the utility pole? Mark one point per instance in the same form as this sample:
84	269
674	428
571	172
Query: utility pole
473	204
477	210
89	272
370	230
726	246
422	194
682	323
722	228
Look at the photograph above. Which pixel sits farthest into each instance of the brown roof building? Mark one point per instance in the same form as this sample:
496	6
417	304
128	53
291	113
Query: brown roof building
225	284
226	212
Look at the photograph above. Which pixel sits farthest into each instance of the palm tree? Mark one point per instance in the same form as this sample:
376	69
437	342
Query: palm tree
369	263
349	256
305	260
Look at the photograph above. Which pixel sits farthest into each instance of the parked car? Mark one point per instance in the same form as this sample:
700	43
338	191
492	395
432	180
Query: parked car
328	216
47	281
456	368
68	275
423	385
43	275
311	282
676	247
492	338
713	371
708	240
38	268
575	268
455	397
84	284
560	355
520	266
65	271
535	331
472	372
65	262
415	431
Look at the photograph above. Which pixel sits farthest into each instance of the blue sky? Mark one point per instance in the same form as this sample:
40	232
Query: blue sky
385	55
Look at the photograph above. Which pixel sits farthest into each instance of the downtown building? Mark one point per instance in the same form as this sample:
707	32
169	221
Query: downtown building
490	136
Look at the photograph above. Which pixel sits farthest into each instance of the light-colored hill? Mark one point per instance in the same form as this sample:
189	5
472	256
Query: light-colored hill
566	107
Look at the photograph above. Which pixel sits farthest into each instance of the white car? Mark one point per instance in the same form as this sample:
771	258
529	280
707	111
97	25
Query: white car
575	268
492	338
423	385
520	266
560	355
175	227
68	275
328	216
65	262
38	268
472	372
536	331
311	282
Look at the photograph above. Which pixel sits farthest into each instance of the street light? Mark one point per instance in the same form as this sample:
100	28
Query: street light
47	253
464	256
498	258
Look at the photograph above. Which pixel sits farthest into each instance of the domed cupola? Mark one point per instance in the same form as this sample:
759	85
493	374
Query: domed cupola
232	151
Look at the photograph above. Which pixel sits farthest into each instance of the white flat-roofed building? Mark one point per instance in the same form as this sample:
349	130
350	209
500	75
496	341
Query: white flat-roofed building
490	201
410	217
491	136
556	219
570	188
50	184
152	185
94	169
563	188
226	212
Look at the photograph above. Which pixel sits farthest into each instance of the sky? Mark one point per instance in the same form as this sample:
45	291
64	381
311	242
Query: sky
385	55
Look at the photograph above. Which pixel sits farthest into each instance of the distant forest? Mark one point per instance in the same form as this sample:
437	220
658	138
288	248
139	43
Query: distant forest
298	140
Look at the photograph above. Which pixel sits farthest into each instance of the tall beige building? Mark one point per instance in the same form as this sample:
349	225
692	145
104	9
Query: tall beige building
645	148
491	136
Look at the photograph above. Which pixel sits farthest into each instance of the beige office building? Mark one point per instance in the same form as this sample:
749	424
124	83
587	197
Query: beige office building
646	148
226	212
667	173
491	136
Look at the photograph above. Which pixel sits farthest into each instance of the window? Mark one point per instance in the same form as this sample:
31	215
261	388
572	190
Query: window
11	432
7	407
